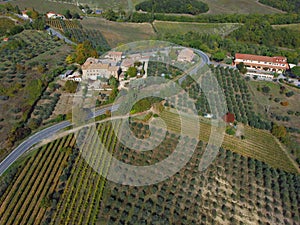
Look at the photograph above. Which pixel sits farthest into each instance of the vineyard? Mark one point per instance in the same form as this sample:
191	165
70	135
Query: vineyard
63	24
165	27
45	6
25	202
94	36
57	186
258	144
120	33
233	190
75	31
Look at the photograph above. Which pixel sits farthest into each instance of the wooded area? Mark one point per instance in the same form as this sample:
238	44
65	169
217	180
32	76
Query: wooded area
173	6
285	5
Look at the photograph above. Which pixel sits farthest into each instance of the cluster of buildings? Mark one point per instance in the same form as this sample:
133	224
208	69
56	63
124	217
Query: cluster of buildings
53	15
263	67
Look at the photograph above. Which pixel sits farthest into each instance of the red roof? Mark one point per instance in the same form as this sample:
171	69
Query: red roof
274	59
229	118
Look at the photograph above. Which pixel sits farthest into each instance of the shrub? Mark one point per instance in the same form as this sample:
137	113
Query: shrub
277	100
289	94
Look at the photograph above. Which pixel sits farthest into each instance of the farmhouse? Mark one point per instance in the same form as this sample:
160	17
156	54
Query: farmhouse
262	66
94	69
186	55
116	56
24	14
53	15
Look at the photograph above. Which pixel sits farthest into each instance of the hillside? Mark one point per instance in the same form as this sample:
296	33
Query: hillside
240	7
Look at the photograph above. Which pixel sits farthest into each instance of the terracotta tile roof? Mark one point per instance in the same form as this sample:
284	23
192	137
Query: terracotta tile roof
229	118
275	59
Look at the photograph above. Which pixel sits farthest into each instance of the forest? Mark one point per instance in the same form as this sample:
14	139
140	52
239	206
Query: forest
173	6
261	32
284	5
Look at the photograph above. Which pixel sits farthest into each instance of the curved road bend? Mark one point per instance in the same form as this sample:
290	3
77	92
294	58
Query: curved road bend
205	60
50	131
39	136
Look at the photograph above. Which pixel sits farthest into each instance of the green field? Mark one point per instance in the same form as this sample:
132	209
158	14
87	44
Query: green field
44	6
289	26
164	27
119	33
240	7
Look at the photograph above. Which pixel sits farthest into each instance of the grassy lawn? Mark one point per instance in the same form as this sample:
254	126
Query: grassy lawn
241	7
120	33
44	6
164	27
263	101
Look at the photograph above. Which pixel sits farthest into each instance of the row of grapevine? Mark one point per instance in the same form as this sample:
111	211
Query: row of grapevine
83	192
63	24
233	190
94	36
259	144
22	204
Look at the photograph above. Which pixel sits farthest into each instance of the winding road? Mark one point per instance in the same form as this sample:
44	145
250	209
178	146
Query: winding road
50	131
41	135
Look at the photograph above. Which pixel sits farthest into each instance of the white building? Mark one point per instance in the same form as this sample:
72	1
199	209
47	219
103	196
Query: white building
263	67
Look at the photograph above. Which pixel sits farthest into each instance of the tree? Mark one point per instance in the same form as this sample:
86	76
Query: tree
266	89
289	94
110	15
132	71
71	86
219	56
76	16
83	51
34	123
296	70
242	68
279	131
67	14
70	59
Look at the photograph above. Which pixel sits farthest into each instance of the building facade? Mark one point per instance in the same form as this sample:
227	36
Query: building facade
94	69
262	66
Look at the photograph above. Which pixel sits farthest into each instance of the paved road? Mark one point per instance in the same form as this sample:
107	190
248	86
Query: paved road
41	135
205	60
50	131
60	36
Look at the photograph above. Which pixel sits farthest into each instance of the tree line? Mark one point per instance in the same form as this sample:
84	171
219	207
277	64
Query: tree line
258	42
284	5
173	6
261	32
